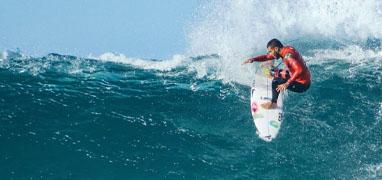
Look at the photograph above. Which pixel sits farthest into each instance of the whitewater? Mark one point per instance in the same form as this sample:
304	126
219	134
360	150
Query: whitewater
111	116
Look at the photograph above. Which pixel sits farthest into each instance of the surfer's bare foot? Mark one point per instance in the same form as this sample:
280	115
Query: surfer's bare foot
269	105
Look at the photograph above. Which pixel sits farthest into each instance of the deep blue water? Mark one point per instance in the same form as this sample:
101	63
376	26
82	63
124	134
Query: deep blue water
66	117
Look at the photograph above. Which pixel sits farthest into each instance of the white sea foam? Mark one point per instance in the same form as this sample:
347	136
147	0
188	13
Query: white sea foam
7	54
352	54
206	68
229	69
163	65
3	55
239	29
373	171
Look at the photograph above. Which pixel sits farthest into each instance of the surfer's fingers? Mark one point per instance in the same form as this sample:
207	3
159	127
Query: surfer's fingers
245	62
280	88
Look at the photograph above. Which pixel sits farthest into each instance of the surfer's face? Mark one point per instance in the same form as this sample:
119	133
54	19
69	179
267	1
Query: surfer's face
274	51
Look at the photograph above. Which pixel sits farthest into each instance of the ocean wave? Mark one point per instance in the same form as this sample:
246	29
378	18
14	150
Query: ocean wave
162	65
244	26
189	114
240	29
353	54
356	59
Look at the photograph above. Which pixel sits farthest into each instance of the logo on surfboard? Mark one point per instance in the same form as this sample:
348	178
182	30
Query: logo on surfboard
254	107
274	124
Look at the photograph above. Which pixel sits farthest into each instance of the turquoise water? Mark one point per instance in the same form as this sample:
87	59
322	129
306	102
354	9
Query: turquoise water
65	117
188	117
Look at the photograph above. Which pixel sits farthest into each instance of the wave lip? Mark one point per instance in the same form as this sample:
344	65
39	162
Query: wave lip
8	54
163	65
352	54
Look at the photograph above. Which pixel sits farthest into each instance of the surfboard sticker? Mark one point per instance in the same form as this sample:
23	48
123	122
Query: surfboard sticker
254	107
274	124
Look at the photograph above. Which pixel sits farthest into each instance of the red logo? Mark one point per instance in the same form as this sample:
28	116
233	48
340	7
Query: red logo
254	107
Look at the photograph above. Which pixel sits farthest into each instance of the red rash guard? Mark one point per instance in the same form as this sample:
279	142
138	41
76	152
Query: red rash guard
293	60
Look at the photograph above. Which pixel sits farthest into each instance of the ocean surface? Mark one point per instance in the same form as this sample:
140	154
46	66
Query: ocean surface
188	117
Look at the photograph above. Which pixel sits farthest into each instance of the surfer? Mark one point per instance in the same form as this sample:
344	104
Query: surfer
296	78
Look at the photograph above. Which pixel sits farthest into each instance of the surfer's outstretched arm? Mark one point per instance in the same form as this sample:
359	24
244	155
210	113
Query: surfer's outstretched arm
261	58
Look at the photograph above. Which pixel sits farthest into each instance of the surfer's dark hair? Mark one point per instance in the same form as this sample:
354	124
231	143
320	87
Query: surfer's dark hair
274	43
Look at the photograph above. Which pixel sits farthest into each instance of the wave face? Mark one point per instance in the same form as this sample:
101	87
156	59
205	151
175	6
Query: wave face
188	117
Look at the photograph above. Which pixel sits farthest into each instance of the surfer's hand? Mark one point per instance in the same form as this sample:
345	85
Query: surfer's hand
282	87
246	61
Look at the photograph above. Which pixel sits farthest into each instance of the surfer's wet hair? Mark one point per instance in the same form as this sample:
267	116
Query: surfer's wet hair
274	43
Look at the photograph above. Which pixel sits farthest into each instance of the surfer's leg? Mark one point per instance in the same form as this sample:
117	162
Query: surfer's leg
281	76
297	87
275	83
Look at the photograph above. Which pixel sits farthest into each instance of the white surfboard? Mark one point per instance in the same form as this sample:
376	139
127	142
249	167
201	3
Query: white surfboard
267	121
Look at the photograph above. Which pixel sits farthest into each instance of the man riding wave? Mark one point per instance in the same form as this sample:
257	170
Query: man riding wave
296	78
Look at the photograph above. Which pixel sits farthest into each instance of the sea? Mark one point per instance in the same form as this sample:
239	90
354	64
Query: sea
111	116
